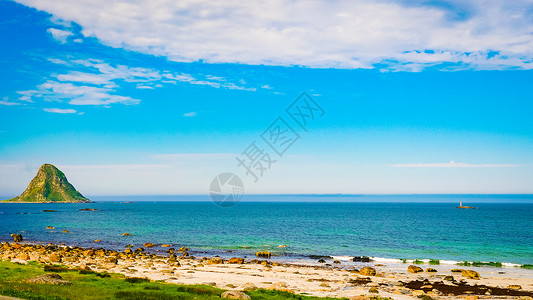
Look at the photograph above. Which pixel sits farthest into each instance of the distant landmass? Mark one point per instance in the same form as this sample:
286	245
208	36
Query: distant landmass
50	185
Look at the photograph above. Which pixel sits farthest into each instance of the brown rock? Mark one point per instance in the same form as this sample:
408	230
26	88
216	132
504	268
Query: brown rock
50	227
89	252
263	254
148	245
17	237
431	270
414	269
249	287
215	260
165	245
236	260
126	234
512	286
470	274
368	271
234	295
54	257
23	256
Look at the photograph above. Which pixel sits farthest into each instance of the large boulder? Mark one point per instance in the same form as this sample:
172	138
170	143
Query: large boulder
236	260
470	274
234	295
414	269
17	237
265	254
368	271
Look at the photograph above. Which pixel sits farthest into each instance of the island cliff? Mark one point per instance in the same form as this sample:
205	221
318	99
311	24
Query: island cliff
50	185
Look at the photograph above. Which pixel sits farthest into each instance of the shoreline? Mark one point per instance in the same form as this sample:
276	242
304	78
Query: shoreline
347	261
181	266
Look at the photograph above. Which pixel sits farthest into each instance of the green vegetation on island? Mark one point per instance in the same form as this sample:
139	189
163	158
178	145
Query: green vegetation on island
50	185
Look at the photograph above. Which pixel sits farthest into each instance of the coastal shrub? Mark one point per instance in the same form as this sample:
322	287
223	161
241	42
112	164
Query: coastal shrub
404	260
464	264
434	262
84	271
199	289
526	266
50	268
103	275
136	280
151	295
490	264
418	261
27	295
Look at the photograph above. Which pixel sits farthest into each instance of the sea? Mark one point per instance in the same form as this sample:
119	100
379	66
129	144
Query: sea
389	228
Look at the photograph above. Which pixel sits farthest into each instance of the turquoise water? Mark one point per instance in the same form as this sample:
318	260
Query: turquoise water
493	232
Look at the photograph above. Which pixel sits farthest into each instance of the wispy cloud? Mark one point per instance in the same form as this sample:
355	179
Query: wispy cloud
59	34
8	103
95	82
190	114
453	164
390	35
60	110
194	156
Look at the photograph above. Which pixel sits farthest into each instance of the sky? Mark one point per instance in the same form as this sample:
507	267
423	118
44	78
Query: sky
293	97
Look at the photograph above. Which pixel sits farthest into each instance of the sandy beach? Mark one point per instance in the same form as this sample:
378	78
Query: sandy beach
318	280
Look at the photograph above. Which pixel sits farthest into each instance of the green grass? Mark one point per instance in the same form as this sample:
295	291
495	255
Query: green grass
418	261
529	267
93	285
434	262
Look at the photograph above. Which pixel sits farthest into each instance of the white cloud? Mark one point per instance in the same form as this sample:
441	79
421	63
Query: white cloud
8	103
60	110
190	114
59	35
95	82
318	33
453	164
194	156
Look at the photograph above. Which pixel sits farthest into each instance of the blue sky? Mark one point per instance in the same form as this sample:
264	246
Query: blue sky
157	98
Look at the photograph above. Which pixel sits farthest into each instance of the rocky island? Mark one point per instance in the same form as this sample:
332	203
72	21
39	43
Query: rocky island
50	185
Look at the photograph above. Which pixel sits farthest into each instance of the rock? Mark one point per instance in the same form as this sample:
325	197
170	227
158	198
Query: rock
234	295
17	237
431	270
263	254
419	293
165	245
449	278
360	297
457	270
126	234
128	251
112	260
215	261
48	210
65	231
249	287
23	256
368	271
470	274
282	246
280	286
54	257
88	209
89	252
336	262
50	278
50	227
361	259
373	290
183	249
97	241
321	261
148	245
236	260
512	286
414	269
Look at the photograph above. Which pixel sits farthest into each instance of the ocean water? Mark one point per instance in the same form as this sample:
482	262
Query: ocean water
495	232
